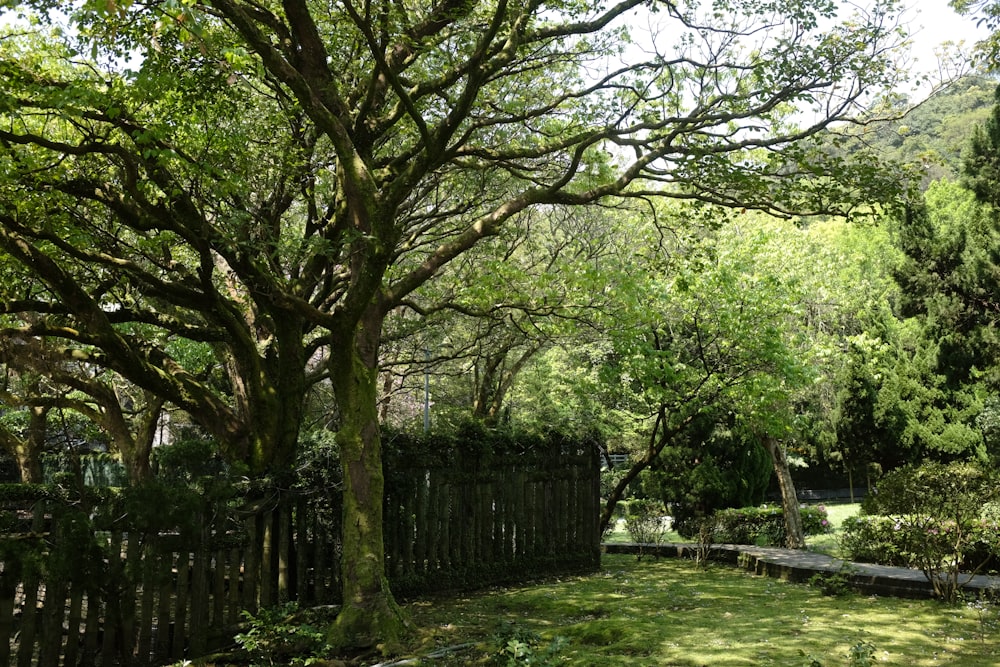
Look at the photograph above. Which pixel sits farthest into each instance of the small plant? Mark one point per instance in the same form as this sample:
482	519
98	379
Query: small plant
934	517
861	654
281	636
519	646
987	613
703	548
835	584
810	659
646	523
765	525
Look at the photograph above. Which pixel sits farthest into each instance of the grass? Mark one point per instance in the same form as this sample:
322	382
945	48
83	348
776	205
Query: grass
669	613
830	543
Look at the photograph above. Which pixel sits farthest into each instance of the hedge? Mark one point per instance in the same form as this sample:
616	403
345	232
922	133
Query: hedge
899	540
764	525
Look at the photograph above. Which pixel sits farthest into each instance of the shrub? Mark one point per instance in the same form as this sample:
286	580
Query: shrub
518	646
835	584
939	518
646	522
283	635
916	540
815	520
765	525
873	539
950	491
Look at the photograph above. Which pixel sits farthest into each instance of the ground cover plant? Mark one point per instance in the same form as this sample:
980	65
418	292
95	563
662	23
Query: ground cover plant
667	612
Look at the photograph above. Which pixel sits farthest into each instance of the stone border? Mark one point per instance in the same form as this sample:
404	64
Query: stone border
799	566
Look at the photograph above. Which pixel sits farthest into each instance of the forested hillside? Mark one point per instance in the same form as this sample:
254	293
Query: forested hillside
935	131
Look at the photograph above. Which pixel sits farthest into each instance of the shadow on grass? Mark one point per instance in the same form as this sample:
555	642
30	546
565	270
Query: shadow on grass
669	613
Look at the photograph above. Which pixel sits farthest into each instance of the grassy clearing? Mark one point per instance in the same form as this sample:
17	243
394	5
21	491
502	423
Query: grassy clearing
669	613
827	544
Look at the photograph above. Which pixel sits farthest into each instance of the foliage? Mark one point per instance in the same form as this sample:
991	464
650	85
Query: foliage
986	12
263	187
610	477
646	522
190	461
987	609
947	277
862	654
947	285
284	635
519	646
764	525
837	584
930	136
872	539
947	491
709	468
981	164
934	517
715	355
921	541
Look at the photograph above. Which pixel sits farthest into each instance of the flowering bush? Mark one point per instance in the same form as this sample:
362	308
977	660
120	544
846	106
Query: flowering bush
873	539
940	518
815	520
920	541
765	525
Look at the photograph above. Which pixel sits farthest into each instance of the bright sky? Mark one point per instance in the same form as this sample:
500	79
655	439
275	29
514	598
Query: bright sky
933	22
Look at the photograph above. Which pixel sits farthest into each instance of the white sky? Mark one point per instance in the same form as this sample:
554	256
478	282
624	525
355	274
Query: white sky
932	23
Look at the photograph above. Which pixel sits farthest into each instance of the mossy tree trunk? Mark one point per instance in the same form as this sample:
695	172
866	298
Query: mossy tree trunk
370	615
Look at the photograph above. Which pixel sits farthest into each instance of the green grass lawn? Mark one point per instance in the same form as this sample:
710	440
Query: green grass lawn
830	543
667	612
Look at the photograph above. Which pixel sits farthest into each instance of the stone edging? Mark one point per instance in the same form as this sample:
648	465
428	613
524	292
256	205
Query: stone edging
800	566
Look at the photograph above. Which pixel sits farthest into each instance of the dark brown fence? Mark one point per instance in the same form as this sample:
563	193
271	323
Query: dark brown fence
83	584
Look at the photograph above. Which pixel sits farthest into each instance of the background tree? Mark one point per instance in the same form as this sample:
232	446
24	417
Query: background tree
981	158
949	282
714	328
987	13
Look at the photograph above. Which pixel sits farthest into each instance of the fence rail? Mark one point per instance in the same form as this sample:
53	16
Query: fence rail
82	586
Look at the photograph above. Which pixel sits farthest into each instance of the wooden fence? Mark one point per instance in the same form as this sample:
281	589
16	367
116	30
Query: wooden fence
81	585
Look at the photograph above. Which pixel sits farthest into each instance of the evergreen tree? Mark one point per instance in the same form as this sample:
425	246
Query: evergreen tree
981	161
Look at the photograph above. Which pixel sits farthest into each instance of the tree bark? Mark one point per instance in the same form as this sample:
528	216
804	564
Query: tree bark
28	462
794	534
28	450
369	616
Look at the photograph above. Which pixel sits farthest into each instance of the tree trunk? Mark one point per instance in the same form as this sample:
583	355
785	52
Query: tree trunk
369	616
794	535
28	461
28	452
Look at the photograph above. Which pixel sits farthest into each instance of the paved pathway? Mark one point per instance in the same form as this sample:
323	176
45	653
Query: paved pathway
800	565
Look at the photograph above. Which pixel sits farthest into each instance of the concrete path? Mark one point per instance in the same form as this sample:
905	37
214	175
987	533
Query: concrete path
799	566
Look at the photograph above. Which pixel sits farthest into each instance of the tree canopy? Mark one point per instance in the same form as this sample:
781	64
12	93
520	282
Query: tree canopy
221	203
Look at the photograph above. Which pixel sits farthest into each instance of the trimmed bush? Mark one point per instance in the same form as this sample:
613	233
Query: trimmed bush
942	519
765	525
873	539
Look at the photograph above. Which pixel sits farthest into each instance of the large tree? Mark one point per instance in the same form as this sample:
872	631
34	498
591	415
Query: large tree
271	180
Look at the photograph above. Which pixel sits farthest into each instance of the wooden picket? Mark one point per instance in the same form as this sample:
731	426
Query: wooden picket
160	598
